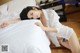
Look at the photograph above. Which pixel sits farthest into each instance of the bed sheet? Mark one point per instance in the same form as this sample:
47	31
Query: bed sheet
24	37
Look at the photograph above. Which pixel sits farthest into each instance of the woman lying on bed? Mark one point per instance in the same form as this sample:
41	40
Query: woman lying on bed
66	35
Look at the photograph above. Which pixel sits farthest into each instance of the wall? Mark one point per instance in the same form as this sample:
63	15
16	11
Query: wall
3	1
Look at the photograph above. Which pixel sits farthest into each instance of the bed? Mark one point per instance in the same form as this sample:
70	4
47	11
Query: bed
24	36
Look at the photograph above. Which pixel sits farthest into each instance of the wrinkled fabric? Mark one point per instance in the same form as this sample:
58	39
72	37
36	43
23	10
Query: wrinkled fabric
53	21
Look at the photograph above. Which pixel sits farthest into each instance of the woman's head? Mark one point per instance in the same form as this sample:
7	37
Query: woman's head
30	12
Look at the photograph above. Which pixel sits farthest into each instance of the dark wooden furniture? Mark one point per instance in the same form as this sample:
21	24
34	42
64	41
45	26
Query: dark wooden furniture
75	2
59	8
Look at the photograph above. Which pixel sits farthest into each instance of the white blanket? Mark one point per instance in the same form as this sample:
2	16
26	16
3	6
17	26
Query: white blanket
24	37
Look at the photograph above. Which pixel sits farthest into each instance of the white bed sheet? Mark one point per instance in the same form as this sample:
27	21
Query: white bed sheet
24	37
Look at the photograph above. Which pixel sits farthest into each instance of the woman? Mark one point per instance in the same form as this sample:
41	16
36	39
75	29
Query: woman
66	35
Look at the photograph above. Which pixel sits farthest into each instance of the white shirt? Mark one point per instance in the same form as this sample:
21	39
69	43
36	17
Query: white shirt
53	21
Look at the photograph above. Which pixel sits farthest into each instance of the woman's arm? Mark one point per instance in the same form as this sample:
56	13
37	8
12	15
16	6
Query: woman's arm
43	20
44	25
47	29
13	21
8	22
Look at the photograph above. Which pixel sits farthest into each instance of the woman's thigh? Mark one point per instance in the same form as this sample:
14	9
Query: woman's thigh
64	43
73	42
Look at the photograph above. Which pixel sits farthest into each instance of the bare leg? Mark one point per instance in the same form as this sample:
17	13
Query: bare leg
65	44
72	44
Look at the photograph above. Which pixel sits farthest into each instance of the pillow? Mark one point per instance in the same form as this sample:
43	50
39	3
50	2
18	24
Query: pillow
4	15
3	9
16	6
12	9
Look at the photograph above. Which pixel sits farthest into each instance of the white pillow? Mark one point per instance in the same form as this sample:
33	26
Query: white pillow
4	15
12	9
16	6
4	9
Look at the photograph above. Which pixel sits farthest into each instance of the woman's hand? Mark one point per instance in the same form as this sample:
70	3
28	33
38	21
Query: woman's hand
3	25
40	25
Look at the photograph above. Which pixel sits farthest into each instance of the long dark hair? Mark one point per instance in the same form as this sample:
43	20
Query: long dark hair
23	14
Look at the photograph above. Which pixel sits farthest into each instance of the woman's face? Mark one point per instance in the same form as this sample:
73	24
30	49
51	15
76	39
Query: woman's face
34	14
